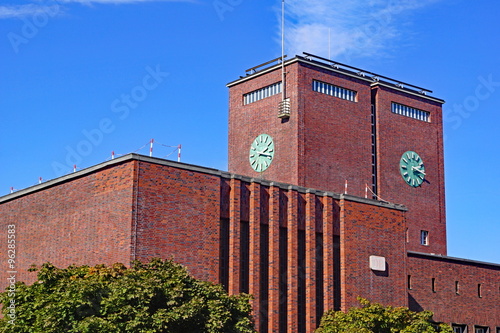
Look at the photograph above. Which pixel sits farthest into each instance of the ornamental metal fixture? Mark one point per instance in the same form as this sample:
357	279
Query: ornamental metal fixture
284	109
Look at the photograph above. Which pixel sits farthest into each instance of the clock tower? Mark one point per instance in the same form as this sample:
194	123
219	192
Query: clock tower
344	130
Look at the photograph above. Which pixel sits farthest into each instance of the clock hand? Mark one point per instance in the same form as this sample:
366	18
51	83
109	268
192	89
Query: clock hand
262	153
417	169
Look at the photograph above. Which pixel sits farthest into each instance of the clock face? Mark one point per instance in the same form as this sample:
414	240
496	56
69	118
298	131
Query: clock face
261	152
412	168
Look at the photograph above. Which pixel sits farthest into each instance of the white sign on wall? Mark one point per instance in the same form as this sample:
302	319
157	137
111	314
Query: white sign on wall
377	263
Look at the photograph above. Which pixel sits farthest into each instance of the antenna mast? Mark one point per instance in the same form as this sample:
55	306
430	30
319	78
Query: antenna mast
283	88
284	106
329	43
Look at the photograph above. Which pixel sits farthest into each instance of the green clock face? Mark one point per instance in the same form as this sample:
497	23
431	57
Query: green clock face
412	169
261	152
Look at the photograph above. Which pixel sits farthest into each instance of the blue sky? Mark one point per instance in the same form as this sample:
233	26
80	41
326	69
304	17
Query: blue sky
82	78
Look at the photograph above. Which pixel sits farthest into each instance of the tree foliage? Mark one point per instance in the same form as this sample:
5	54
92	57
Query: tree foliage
375	318
158	296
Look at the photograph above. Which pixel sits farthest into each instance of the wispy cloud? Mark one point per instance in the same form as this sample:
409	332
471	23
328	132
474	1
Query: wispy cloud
118	2
346	28
39	6
20	11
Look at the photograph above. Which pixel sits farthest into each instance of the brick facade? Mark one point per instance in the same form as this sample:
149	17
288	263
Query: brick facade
327	142
85	218
464	292
136	207
290	236
398	134
366	230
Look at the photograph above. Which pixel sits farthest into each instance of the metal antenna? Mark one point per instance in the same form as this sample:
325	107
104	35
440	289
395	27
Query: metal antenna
283	89
284	105
329	42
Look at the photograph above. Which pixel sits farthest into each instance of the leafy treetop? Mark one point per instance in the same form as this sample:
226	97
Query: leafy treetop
154	297
375	318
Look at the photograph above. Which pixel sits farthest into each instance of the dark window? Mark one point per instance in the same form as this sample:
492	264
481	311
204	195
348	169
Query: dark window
264	277
479	290
319	277
283	283
244	256
433	285
457	287
459	328
301	249
224	253
481	329
409	282
337	286
424	237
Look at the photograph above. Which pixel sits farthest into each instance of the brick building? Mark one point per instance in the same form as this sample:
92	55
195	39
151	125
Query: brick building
335	190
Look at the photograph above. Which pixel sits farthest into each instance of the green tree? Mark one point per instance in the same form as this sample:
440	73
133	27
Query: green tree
158	296
375	318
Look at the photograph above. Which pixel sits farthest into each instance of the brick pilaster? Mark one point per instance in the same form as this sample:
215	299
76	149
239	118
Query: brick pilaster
234	236
254	278
328	254
274	267
292	266
310	262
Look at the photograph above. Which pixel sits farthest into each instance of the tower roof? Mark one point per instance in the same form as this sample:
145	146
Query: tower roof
337	67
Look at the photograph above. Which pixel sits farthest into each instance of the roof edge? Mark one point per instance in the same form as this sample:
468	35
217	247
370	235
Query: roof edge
353	72
443	257
194	168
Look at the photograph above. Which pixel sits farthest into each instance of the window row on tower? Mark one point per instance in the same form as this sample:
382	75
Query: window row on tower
262	93
332	90
408	111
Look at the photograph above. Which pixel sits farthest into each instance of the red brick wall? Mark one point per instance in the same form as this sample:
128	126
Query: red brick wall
178	217
246	122
336	133
367	230
326	140
466	307
398	134
85	220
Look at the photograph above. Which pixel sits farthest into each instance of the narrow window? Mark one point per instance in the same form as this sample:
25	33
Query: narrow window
408	111
409	281
319	276
301	287
264	277
244	256
283	286
457	287
424	237
262	93
433	285
481	329
479	290
224	253
459	328
335	91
